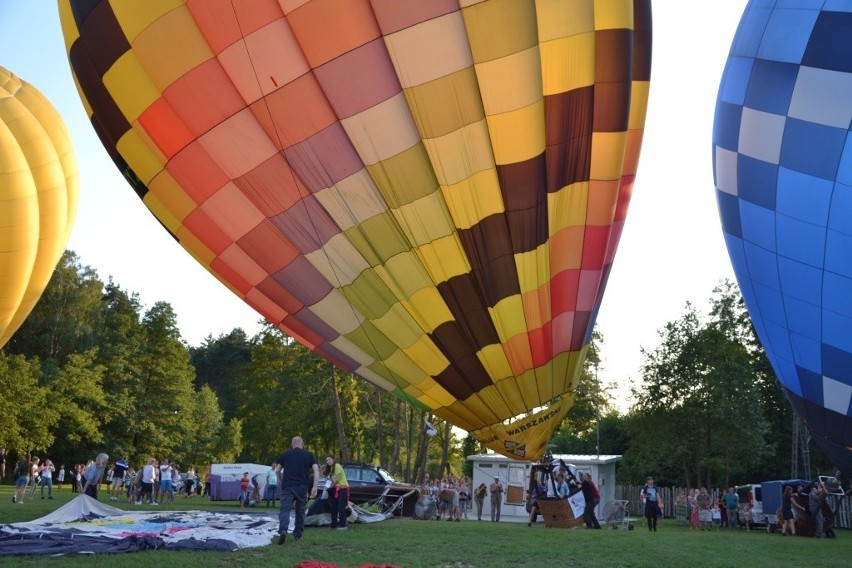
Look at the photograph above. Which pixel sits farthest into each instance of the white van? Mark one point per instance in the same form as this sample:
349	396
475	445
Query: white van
751	495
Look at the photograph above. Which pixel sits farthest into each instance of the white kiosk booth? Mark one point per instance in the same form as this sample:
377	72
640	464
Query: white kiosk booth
515	477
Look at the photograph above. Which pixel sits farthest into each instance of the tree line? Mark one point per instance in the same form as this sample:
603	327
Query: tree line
91	370
707	408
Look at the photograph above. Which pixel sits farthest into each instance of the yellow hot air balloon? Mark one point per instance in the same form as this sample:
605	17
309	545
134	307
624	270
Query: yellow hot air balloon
38	197
426	193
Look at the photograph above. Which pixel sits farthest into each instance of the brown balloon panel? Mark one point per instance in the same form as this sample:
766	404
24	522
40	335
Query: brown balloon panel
427	195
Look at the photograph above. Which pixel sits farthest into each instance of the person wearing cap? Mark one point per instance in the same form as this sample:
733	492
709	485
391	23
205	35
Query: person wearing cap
496	490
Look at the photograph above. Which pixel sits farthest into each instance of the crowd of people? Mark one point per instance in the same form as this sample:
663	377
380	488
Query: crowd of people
34	473
153	482
705	511
295	477
452	498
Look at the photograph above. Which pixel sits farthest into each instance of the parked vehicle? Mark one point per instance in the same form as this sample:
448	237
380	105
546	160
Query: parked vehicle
752	495
373	484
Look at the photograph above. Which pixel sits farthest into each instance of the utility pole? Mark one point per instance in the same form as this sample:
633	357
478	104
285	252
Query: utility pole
597	413
794	464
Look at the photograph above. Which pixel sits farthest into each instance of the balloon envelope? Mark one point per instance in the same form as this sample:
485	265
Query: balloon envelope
38	197
783	170
426	194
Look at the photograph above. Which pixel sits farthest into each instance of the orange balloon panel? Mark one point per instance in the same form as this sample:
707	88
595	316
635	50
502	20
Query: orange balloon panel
427	194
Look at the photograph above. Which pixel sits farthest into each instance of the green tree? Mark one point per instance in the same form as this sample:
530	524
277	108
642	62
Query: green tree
77	396
27	416
701	418
213	440
728	308
65	317
164	411
122	340
281	397
220	363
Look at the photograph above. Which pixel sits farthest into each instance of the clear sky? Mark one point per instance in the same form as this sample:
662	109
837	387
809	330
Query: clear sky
671	252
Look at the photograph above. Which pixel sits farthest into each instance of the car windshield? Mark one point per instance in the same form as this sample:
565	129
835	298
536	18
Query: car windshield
387	475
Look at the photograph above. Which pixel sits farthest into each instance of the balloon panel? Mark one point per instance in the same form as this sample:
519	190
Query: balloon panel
425	194
783	170
38	197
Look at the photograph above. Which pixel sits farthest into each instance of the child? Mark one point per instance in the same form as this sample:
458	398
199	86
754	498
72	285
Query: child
255	496
747	516
717	516
244	490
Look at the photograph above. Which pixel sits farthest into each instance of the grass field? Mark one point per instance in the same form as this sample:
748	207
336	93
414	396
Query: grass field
468	544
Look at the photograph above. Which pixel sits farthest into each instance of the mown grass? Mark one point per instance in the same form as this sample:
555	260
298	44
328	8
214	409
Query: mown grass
468	544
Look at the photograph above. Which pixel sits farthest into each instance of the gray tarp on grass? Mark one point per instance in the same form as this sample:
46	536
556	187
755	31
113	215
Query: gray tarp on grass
85	525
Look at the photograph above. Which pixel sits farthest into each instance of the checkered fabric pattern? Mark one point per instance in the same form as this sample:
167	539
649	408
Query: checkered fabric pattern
427	194
783	169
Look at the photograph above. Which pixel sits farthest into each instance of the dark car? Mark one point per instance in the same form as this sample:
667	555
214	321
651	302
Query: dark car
372	484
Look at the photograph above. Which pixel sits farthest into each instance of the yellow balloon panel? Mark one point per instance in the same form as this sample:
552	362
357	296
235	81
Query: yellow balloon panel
38	197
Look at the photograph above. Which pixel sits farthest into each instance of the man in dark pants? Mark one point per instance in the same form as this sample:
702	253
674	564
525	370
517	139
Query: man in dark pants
592	497
293	469
816	499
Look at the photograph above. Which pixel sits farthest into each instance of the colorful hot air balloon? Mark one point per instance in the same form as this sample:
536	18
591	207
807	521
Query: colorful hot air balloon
427	194
783	169
38	197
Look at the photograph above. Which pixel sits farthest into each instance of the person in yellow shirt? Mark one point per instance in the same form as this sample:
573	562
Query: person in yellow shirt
339	493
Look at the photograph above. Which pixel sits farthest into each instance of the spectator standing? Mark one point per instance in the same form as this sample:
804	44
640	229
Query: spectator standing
2	464
464	496
60	477
208	480
245	485
592	497
191	482
732	506
692	500
681	507
35	475
93	474
716	515
651	496
705	514
536	492
496	491
339	493
271	490
22	477
147	483
165	471
295	466
479	499
119	470
816	499
788	502
177	481
47	470
132	484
